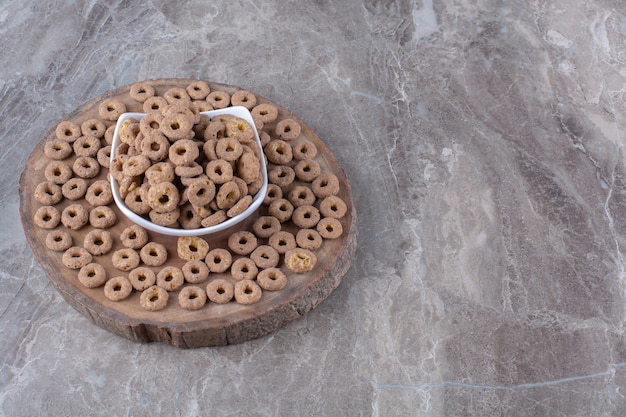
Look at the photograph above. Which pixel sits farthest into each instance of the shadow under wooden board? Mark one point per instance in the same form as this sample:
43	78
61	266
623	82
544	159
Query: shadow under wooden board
213	324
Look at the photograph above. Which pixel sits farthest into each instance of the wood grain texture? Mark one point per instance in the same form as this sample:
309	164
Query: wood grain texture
214	324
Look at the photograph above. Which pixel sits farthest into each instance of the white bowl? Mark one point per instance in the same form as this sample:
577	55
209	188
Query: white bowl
238	111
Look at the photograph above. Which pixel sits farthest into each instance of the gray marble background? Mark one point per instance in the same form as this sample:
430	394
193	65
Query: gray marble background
484	141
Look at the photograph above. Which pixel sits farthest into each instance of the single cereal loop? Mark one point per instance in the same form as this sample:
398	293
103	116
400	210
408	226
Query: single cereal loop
141	92
281	175
265	256
329	228
242	242
200	192
104	156
301	196
239	129
74	216
92	275
86	167
274	192
99	193
111	109
58	240
98	242
163	197
278	152
218	260
93	127
192	298
170	278
307	170
142	278
243	98
68	131
218	99
189	171
308	239
76	257
326	184
305	217
74	188
48	193
57	149
266	226
117	288
183	152
264	137
228	149
151	124
134	237
160	172
125	259
154	105
192	248
220	291
154	298
249	168
177	95
58	172
227	195
215	218
272	279
155	146
300	260
244	268
240	206
102	217
168	218
281	208
243	187
116	165
282	241
128	184
137	200
198	90
266	113
304	150
247	292
129	131
333	206
288	129
189	217
136	165
195	271
177	126
219	171
153	254
108	134
215	130
47	217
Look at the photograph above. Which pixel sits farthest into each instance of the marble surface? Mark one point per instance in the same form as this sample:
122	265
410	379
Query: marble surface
484	142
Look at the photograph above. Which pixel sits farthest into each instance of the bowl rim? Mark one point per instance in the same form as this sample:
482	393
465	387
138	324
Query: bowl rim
257	200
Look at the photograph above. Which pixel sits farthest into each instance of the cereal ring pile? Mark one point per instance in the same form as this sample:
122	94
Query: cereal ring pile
179	168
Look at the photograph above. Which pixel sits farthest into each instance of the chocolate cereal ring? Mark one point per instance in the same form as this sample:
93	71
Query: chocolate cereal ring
249	168
308	239
228	149
242	242
281	175
48	193
74	216
220	291
183	152
134	237
92	275
192	298
218	99
154	104
189	171
68	131
57	149
151	123
99	193
329	228
265	112
153	254
117	288
305	217
160	172
168	218
86	167
219	171
244	268
189	217
215	130
200	192
195	271
141	91
93	127
300	260
74	188
163	197
76	257
111	109
177	95
333	206
240	206
154	298
102	217
288	129
240	129
281	208
304	150
98	242
198	90
274	192
243	98
108	134
137	200
58	172
325	184
155	146
307	170
227	195
142	278
215	218
272	279
301	196
170	278
125	259
266	226
116	165
192	248
58	240
265	256
282	241
278	152
135	165
247	292
218	260
177	126
47	217
104	156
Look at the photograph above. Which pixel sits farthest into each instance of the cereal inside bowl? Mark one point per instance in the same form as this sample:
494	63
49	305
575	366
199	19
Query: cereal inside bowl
180	172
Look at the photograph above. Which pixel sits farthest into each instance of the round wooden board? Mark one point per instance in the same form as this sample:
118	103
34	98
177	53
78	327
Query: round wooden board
214	324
